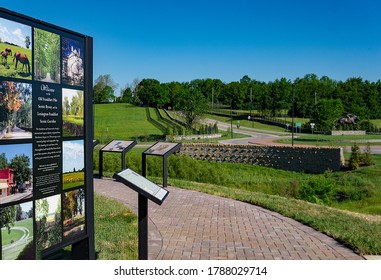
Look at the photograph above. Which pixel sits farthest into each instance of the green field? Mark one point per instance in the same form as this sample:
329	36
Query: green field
122	122
8	69
73	179
13	236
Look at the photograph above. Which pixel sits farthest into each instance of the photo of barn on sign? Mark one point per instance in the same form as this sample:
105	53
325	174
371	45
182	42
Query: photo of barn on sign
46	179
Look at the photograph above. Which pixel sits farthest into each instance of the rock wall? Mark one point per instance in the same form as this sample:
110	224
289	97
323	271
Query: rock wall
348	132
300	159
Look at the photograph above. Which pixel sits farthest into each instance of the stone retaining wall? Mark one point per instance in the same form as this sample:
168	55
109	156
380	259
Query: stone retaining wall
301	159
348	132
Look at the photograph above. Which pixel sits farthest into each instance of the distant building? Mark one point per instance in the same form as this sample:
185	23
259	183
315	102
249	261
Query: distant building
7	182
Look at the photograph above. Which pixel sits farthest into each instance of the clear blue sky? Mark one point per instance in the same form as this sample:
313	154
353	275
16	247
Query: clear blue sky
185	40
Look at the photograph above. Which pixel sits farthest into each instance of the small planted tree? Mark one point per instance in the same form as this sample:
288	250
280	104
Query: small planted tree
355	159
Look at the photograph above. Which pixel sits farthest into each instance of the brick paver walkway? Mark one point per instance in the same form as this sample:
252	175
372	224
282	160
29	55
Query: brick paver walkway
191	225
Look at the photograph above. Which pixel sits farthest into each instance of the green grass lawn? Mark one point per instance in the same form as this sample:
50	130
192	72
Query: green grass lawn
376	123
121	121
73	179
332	140
249	124
73	119
116	230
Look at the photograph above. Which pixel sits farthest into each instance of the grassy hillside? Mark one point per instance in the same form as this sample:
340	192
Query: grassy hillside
122	122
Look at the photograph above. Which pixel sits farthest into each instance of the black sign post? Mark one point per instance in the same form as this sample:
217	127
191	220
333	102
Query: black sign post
146	190
115	146
164	150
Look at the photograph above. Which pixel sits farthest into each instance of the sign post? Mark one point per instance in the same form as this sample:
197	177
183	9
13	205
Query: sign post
164	150
312	127
146	190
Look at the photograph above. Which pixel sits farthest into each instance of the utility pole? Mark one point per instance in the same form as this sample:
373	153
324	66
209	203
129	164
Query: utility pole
212	97
251	103
293	112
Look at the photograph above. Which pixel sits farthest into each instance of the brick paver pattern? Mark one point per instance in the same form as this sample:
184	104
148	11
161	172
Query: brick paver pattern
190	225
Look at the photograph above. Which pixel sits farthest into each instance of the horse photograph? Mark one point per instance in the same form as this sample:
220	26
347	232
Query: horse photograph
23	59
15	49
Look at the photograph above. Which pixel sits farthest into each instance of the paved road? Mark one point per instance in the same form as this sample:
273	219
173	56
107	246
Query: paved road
258	137
190	225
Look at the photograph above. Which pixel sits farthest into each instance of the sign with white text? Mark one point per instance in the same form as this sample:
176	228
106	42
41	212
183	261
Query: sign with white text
45	109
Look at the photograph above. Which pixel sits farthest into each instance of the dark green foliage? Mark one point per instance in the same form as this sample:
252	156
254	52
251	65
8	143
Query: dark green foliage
317	190
366	157
355	159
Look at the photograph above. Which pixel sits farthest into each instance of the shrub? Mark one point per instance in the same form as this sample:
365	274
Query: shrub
366	157
317	190
355	159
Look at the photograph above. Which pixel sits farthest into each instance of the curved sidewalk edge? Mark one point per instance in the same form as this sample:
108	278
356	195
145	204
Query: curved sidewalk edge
190	225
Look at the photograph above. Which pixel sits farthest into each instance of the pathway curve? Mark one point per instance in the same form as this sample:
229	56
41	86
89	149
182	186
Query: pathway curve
192	225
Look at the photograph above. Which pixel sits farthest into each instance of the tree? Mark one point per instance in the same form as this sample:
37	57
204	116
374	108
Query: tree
10	101
27	42
20	165
125	95
326	113
150	94
7	219
104	89
3	161
192	105
66	106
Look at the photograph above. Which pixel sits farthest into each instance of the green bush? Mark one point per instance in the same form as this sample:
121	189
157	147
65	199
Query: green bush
355	159
317	190
366	157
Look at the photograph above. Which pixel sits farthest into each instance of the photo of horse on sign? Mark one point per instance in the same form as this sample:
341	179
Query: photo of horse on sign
15	49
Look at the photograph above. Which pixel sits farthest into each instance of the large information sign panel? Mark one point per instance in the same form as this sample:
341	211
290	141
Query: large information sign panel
142	185
46	185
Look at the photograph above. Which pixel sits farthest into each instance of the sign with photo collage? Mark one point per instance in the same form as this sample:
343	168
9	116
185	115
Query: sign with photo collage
44	102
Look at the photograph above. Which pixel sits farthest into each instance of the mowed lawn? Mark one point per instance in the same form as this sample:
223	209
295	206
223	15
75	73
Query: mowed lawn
121	121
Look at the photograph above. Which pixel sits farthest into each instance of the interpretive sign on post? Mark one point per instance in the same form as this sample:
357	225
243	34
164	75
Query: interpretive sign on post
146	190
115	146
163	149
46	139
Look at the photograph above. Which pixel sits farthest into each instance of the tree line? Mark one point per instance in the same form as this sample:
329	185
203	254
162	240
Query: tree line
313	97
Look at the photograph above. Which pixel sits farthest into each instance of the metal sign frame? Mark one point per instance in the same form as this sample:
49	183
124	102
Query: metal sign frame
115	146
164	150
146	190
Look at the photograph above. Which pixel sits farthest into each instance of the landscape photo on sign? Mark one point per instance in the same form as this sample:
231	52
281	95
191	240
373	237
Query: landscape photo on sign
117	146
17	242
48	222
73	154
73	213
15	110
161	148
15	49
72	112
16	182
47	62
